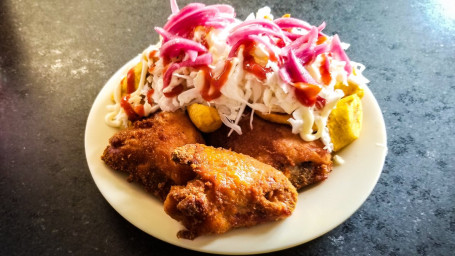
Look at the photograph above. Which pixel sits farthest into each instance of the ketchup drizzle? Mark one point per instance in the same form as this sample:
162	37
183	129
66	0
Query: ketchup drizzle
251	66
130	81
212	85
175	91
132	115
324	69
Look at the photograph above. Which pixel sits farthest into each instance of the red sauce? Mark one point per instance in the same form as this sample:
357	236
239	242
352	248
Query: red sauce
130	81
320	102
139	109
321	39
152	55
272	57
250	65
307	94
324	69
174	92
149	96
280	43
132	115
212	85
135	113
166	62
154	59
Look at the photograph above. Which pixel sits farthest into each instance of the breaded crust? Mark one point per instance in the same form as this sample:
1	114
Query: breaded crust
144	151
304	163
230	190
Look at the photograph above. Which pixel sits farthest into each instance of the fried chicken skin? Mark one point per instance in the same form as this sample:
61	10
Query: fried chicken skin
230	190
304	163
144	151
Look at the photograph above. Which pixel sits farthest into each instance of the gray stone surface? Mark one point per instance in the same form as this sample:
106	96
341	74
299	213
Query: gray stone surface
56	55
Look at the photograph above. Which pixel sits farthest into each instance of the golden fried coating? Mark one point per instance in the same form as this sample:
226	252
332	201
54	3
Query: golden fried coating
144	151
230	190
304	163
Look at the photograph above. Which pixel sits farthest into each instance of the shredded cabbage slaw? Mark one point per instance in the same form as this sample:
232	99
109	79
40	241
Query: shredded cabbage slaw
282	65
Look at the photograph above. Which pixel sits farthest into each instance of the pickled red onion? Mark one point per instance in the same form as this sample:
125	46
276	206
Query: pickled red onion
194	15
292	23
174	7
339	53
284	75
253	30
175	46
166	35
248	38
310	37
297	72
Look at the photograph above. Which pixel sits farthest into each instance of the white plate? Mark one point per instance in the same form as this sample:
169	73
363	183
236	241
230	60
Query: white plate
319	209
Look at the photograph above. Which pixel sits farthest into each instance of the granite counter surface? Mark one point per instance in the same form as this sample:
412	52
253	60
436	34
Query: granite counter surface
55	56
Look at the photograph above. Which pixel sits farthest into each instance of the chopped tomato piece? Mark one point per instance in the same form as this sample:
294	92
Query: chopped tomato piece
321	39
307	93
324	69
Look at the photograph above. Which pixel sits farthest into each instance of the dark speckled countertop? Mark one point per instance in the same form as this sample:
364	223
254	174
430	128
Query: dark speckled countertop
55	56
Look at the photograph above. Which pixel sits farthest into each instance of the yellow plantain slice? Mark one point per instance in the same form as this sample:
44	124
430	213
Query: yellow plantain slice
124	84
274	117
345	121
137	77
205	118
350	89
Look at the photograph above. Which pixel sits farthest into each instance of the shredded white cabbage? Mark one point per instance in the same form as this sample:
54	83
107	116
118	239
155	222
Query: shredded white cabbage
241	89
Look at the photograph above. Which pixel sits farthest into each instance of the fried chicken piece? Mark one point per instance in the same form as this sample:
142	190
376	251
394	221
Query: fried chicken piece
144	151
304	163
230	190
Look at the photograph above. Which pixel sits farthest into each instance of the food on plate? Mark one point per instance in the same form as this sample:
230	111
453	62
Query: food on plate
130	82
345	121
276	89
282	68
230	190
274	117
302	162
144	151
351	88
205	118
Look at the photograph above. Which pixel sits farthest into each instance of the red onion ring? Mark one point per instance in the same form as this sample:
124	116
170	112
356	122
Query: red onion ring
338	52
175	46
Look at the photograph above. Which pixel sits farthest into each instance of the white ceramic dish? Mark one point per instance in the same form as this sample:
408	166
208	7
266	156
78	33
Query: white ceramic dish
319	209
